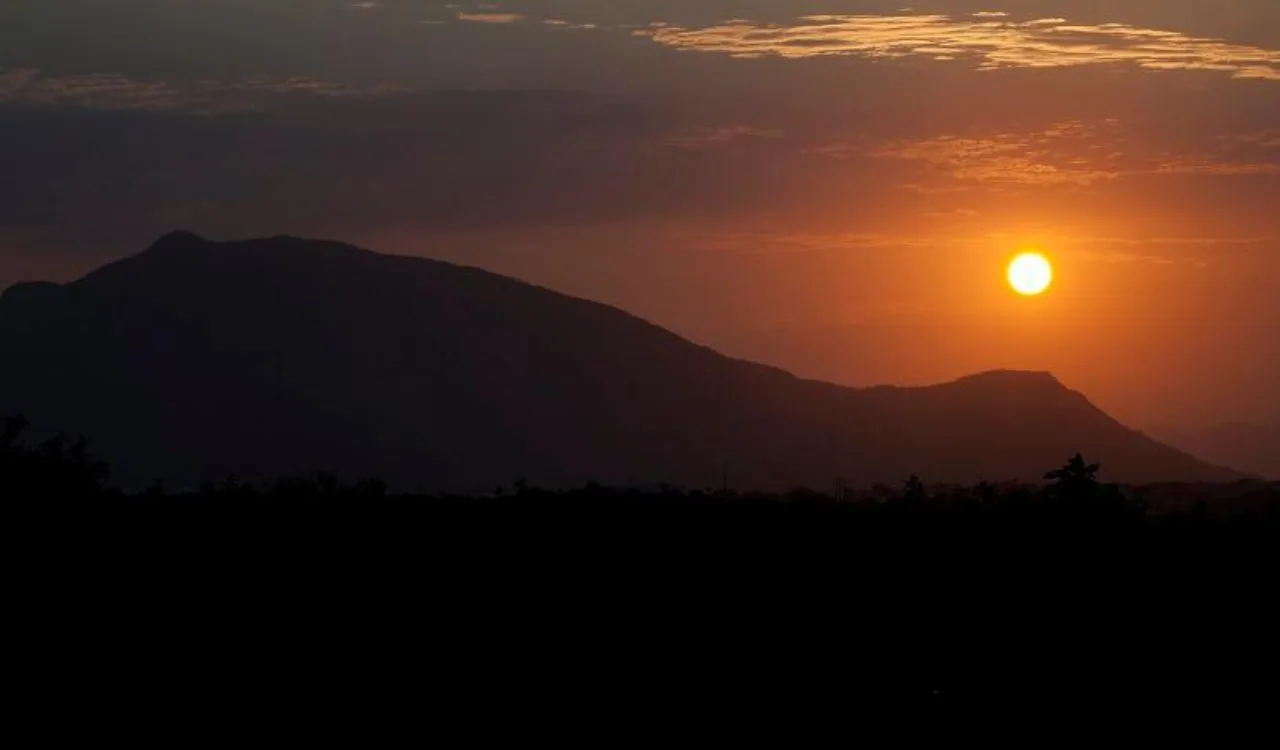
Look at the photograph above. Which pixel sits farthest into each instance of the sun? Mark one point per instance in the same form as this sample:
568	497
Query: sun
1030	274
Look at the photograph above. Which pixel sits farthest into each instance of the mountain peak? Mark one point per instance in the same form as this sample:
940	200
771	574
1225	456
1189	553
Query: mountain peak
178	241
260	358
29	293
1016	379
1010	374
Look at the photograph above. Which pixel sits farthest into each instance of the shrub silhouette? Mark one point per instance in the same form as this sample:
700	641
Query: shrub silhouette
914	494
59	468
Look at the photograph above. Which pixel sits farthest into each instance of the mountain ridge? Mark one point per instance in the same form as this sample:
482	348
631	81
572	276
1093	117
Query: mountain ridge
1252	446
196	359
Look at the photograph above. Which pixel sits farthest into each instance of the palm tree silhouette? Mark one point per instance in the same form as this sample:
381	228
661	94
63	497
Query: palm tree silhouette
1078	478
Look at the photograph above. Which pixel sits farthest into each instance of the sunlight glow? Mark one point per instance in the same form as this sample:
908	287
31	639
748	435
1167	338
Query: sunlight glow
1030	274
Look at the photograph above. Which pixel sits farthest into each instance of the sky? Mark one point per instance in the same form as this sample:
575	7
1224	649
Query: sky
829	186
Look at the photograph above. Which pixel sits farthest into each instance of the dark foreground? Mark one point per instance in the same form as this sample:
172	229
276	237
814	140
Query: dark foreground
598	600
327	601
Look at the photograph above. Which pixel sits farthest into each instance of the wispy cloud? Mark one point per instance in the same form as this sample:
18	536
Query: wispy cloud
1066	154
989	41
109	91
769	243
560	23
1207	166
488	17
708	137
1261	138
1194	251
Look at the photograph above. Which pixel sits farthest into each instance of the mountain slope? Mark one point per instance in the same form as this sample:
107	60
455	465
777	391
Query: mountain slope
1252	447
282	356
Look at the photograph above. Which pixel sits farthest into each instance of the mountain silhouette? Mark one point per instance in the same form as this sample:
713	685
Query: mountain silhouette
264	358
1251	447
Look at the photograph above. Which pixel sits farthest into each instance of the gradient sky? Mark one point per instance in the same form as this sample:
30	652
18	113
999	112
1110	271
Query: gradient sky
830	186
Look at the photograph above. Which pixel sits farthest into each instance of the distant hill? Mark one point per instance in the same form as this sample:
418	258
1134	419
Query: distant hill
283	356
1252	447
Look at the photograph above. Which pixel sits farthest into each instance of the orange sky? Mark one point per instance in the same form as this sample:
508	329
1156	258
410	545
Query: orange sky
831	186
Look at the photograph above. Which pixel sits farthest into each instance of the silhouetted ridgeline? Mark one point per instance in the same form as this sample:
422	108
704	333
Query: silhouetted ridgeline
281	357
275	358
1251	447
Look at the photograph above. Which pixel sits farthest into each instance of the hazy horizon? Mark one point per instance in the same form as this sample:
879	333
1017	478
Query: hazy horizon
826	186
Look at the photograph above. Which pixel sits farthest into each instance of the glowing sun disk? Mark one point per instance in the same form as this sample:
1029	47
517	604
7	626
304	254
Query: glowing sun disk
1030	274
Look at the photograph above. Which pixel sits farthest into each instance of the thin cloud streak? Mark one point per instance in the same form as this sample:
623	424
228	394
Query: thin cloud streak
497	18
992	43
1039	159
1087	248
109	91
709	137
1067	154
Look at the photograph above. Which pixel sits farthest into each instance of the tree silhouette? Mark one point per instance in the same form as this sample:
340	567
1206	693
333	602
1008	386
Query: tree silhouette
13	429
57	468
914	493
1077	479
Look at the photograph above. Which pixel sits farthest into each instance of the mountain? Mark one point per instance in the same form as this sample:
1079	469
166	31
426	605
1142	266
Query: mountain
199	360
1252	447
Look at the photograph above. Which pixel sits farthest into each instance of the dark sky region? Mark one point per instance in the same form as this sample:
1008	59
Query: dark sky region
830	186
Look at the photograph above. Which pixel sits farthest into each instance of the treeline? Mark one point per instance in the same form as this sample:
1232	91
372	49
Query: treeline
990	590
63	470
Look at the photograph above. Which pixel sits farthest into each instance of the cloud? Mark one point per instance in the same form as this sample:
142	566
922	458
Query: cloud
487	17
1261	139
708	137
1071	153
1193	250
109	91
1206	166
1054	156
560	23
993	43
769	243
